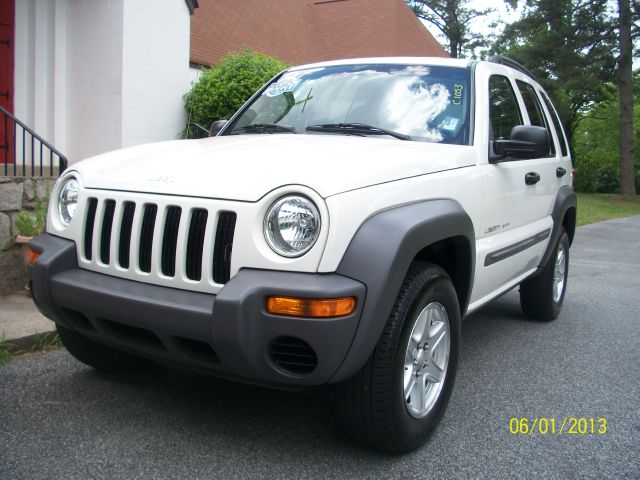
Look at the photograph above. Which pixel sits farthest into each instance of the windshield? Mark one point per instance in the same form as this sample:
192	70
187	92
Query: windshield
408	102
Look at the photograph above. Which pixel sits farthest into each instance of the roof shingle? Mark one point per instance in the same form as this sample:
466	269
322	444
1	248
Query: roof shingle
305	31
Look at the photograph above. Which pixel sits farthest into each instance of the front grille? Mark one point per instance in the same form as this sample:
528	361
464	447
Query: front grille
92	205
197	229
155	242
146	237
128	211
170	241
107	225
224	245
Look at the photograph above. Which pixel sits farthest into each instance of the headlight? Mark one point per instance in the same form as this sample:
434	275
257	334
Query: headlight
292	226
68	200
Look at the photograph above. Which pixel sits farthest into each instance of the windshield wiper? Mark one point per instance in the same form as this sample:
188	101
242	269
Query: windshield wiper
357	129
264	128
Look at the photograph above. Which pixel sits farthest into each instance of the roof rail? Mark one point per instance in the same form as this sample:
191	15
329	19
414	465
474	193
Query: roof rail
502	60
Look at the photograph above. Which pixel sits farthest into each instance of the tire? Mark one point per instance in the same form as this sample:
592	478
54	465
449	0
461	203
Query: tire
541	296
97	355
373	406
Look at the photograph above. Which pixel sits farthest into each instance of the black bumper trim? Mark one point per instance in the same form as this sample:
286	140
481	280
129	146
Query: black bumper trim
228	334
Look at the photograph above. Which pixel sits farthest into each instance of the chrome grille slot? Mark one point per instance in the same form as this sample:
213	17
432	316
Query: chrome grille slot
169	241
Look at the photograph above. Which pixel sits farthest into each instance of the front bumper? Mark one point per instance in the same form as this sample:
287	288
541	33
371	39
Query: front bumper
229	334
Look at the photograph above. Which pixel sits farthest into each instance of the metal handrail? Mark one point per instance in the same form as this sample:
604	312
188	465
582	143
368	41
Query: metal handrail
34	137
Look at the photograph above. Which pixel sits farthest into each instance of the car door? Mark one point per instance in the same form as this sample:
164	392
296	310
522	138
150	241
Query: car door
517	193
564	168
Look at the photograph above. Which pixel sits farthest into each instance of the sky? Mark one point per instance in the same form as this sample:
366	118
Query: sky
481	24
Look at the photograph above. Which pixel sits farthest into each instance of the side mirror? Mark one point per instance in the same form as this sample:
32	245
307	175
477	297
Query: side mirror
216	127
527	141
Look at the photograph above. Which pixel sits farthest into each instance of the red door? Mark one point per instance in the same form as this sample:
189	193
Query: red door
7	16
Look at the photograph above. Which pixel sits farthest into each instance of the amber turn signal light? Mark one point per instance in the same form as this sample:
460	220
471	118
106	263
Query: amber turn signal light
306	307
31	257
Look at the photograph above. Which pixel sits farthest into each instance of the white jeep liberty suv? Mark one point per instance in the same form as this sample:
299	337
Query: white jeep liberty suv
334	232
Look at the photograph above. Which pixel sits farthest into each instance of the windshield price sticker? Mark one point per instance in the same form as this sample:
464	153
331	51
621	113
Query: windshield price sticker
282	86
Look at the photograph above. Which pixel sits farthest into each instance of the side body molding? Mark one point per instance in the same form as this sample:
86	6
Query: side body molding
563	214
380	254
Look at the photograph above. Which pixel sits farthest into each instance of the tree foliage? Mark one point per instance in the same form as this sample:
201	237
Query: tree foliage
222	89
597	157
570	46
453	18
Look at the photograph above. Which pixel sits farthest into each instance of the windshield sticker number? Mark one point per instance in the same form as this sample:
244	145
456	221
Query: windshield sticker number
283	86
457	94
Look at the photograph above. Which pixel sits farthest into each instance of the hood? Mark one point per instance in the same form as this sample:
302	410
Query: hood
246	167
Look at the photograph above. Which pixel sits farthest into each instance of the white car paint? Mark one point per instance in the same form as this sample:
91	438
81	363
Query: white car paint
247	167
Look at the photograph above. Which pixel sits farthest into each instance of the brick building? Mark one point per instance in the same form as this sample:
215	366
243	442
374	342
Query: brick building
303	31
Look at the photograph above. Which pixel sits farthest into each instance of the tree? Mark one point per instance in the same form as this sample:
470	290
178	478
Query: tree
576	47
453	19
627	173
569	45
222	89
596	144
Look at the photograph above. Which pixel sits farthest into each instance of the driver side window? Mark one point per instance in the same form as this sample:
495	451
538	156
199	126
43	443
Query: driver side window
504	112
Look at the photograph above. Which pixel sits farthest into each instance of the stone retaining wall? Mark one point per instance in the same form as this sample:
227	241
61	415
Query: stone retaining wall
16	194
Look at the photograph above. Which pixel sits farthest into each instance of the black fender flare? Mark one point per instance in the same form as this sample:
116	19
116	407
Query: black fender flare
566	199
379	255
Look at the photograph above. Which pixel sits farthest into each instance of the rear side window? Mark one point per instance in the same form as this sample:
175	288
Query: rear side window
504	112
534	109
556	123
531	103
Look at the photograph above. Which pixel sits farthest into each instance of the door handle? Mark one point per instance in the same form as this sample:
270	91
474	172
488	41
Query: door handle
560	172
531	178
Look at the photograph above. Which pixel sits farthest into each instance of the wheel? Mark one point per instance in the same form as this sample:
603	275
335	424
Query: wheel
398	398
541	296
96	355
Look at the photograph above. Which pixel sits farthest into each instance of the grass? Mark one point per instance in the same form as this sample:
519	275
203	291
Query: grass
40	342
593	207
45	342
7	350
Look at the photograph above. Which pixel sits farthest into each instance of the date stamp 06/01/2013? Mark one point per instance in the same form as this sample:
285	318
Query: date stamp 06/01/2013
574	426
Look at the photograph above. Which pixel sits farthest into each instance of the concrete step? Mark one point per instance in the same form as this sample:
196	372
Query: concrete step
20	320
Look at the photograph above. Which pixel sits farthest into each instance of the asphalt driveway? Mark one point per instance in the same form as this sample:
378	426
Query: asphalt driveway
59	419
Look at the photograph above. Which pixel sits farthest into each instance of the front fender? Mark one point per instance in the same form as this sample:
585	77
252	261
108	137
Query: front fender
379	255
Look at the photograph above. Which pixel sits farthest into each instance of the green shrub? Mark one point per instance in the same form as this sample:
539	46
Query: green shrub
31	224
222	89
